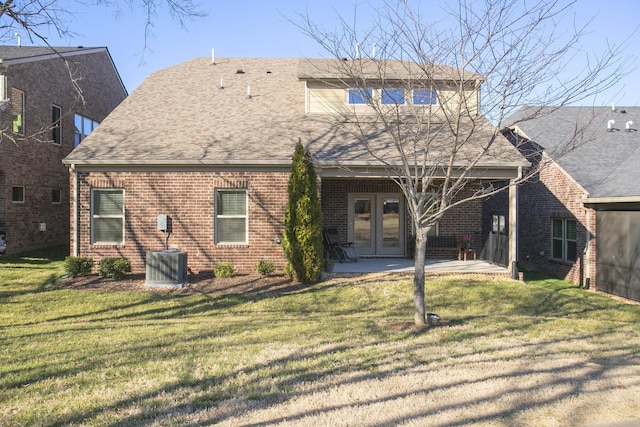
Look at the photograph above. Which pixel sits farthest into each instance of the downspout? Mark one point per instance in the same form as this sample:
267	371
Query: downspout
76	225
513	227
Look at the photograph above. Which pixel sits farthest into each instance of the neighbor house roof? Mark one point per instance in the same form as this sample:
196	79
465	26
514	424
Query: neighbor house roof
11	55
603	158
238	111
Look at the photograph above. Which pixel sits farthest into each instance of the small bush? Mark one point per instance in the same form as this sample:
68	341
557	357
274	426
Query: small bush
114	268
78	266
265	268
224	269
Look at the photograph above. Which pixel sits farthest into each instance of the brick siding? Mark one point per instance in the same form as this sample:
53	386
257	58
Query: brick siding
553	194
188	199
32	160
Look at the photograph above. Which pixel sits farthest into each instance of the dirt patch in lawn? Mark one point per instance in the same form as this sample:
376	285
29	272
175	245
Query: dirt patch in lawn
202	282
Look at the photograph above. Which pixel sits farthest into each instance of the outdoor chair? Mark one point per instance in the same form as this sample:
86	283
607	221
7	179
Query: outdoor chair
342	251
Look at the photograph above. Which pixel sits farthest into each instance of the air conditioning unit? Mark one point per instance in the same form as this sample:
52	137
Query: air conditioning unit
166	269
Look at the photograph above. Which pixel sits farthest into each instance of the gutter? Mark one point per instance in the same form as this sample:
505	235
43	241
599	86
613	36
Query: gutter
621	199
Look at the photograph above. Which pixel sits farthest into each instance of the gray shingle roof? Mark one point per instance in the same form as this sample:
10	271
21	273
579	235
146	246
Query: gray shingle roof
24	52
605	163
181	115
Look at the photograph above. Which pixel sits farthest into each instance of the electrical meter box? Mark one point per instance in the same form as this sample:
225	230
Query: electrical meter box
163	223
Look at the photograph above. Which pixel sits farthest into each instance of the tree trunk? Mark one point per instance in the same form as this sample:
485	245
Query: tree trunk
418	277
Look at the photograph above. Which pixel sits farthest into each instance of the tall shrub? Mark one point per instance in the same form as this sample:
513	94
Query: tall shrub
303	220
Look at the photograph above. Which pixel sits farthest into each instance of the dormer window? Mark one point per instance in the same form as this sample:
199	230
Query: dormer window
360	96
424	97
392	96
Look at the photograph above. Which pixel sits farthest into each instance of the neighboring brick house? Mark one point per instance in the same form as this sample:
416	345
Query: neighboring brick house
43	116
210	146
580	216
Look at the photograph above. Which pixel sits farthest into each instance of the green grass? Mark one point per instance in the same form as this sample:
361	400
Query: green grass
93	358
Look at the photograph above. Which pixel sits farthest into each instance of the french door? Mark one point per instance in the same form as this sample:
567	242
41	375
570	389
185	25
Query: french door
376	223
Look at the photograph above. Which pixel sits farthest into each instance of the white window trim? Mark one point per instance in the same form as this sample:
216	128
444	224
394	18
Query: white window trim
123	216
245	216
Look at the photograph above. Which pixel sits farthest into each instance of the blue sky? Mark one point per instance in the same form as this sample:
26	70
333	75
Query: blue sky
261	29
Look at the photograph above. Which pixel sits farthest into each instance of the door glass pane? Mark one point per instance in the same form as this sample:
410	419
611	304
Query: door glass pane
362	222
391	222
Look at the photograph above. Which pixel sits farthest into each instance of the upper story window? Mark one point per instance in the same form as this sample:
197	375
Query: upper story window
56	124
564	239
17	111
83	126
392	96
17	194
360	96
424	97
56	196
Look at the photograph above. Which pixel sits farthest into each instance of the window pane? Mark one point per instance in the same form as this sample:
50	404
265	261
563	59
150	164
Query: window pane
17	110
424	97
108	230
360	96
571	229
393	96
557	249
108	202
231	202
557	229
56	196
362	222
571	251
17	194
231	230
56	124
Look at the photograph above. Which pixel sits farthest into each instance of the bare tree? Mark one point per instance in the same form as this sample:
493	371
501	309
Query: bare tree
35	20
483	61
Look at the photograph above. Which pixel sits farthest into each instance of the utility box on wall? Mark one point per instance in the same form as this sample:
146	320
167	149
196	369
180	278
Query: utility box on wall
166	269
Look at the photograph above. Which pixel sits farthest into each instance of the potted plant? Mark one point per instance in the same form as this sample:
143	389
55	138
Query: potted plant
467	241
329	264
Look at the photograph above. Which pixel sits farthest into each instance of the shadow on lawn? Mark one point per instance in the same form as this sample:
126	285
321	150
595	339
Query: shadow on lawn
308	373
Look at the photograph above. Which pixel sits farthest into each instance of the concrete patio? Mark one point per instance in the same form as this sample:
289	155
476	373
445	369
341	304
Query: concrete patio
403	265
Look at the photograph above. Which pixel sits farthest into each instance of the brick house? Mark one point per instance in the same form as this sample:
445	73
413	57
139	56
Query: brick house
42	118
580	216
209	145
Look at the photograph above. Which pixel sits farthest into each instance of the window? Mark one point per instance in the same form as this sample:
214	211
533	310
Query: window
83	126
231	216
393	96
17	111
56	124
56	196
498	225
424	97
17	194
107	215
564	239
360	96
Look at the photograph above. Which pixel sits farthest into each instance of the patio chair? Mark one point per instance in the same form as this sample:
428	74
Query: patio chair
342	251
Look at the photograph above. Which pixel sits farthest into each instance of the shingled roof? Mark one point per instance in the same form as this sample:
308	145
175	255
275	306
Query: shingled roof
199	113
16	53
605	159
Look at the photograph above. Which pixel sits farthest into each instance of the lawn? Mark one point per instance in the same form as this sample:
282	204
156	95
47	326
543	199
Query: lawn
538	353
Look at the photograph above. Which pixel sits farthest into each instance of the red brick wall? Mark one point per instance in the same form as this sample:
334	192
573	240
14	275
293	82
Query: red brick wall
32	160
188	199
553	194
